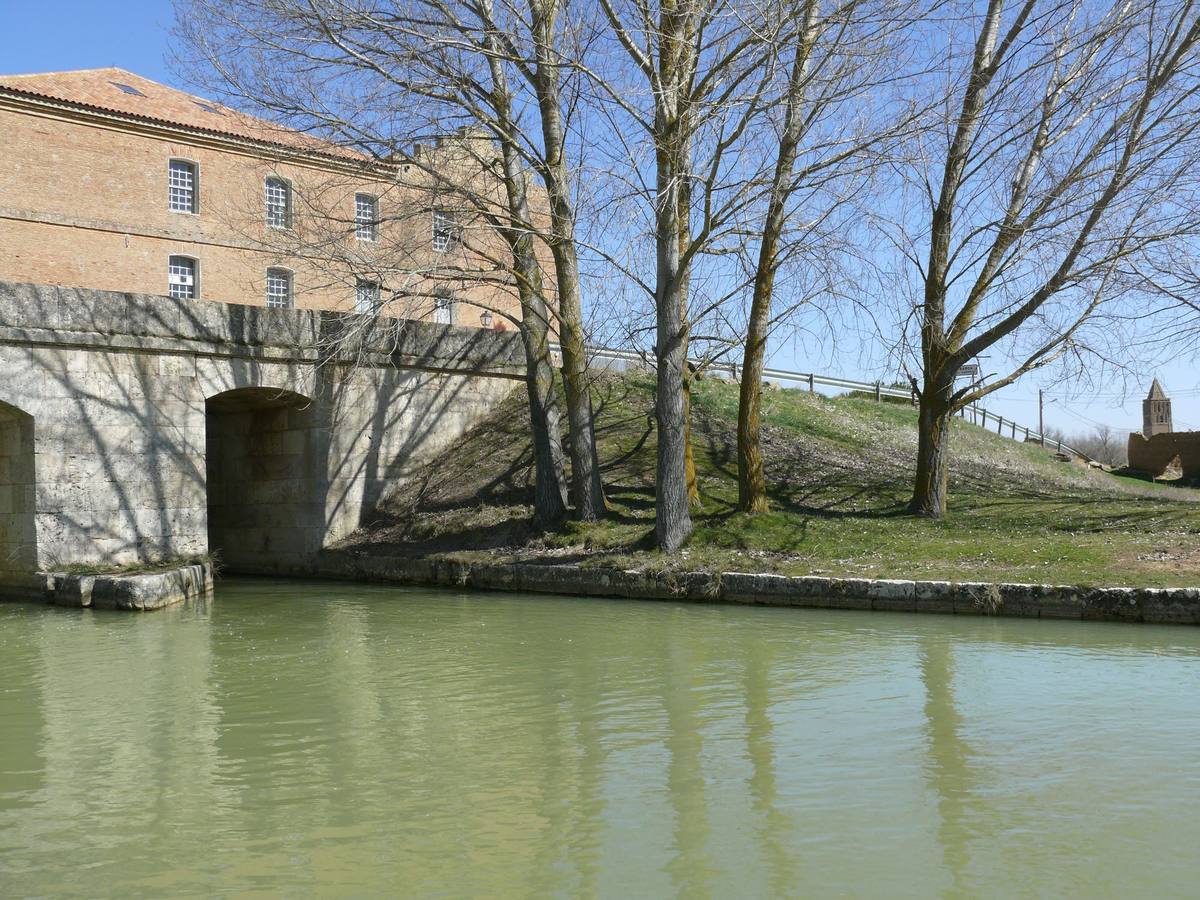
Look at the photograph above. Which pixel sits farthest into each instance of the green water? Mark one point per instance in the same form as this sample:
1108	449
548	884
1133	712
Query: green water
296	739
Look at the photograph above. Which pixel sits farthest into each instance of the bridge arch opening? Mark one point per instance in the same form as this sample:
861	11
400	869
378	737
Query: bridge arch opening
266	465
18	522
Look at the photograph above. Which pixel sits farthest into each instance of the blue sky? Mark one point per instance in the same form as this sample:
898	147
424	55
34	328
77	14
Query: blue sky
56	35
53	35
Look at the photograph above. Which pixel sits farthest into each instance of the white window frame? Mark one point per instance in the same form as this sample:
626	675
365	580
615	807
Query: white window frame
366	295
366	229
443	300
290	295
194	189
268	183
172	276
447	232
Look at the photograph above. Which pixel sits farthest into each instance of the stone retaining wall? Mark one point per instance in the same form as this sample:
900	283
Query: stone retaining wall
1115	604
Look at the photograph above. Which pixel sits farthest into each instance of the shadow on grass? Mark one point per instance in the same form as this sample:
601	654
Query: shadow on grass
478	494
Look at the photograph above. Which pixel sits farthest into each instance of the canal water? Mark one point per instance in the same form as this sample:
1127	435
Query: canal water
292	739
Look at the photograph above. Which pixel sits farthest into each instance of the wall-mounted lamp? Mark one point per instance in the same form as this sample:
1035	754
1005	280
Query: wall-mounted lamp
485	319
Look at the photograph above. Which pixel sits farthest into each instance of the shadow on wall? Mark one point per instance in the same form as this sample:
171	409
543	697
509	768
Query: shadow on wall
392	393
266	465
18	526
164	425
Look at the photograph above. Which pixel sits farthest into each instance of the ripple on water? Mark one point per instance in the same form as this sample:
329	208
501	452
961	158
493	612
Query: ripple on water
295	738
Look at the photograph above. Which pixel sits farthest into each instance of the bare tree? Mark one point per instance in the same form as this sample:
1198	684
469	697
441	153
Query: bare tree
1067	153
545	73
702	70
375	78
432	250
1104	445
838	123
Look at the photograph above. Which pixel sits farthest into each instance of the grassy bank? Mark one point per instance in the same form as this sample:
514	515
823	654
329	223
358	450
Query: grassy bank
137	567
840	471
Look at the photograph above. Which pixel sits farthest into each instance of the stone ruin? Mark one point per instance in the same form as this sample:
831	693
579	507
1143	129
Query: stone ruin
1154	456
1157	447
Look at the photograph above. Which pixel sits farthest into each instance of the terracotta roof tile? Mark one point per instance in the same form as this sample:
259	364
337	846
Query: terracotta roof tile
119	91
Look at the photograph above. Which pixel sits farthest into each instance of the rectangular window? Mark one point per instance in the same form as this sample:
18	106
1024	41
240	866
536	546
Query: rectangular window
443	309
181	186
279	289
181	277
366	216
446	231
279	203
366	296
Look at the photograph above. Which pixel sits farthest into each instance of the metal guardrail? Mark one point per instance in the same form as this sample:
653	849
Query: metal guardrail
978	414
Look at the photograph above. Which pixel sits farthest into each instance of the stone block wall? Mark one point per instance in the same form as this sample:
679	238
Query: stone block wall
266	479
18	533
132	403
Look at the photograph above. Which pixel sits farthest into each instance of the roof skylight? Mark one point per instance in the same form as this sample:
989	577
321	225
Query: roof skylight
128	89
208	107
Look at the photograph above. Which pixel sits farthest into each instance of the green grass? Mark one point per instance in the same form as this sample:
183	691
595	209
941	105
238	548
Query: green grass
132	568
840	473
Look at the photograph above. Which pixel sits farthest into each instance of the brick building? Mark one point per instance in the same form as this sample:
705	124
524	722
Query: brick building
111	181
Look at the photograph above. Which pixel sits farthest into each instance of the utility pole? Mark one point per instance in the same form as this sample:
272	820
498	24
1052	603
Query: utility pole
1042	416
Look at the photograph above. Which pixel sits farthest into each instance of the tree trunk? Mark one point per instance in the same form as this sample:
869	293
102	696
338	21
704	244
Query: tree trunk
545	417
586	483
550	500
752	483
673	521
689	460
933	461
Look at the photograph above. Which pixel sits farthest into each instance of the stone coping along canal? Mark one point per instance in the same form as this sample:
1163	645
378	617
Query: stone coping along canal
1115	604
133	591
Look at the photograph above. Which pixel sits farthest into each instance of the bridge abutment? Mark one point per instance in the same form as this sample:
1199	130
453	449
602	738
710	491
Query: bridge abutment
146	428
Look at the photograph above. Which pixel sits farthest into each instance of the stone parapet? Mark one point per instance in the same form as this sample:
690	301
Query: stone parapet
63	317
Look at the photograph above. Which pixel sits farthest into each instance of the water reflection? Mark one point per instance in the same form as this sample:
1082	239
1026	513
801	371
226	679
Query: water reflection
949	768
24	763
690	866
306	738
773	821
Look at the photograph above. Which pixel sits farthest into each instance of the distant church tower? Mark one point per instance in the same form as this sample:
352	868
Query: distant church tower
1156	412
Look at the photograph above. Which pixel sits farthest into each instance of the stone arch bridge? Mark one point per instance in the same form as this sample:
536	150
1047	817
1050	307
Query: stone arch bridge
135	427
